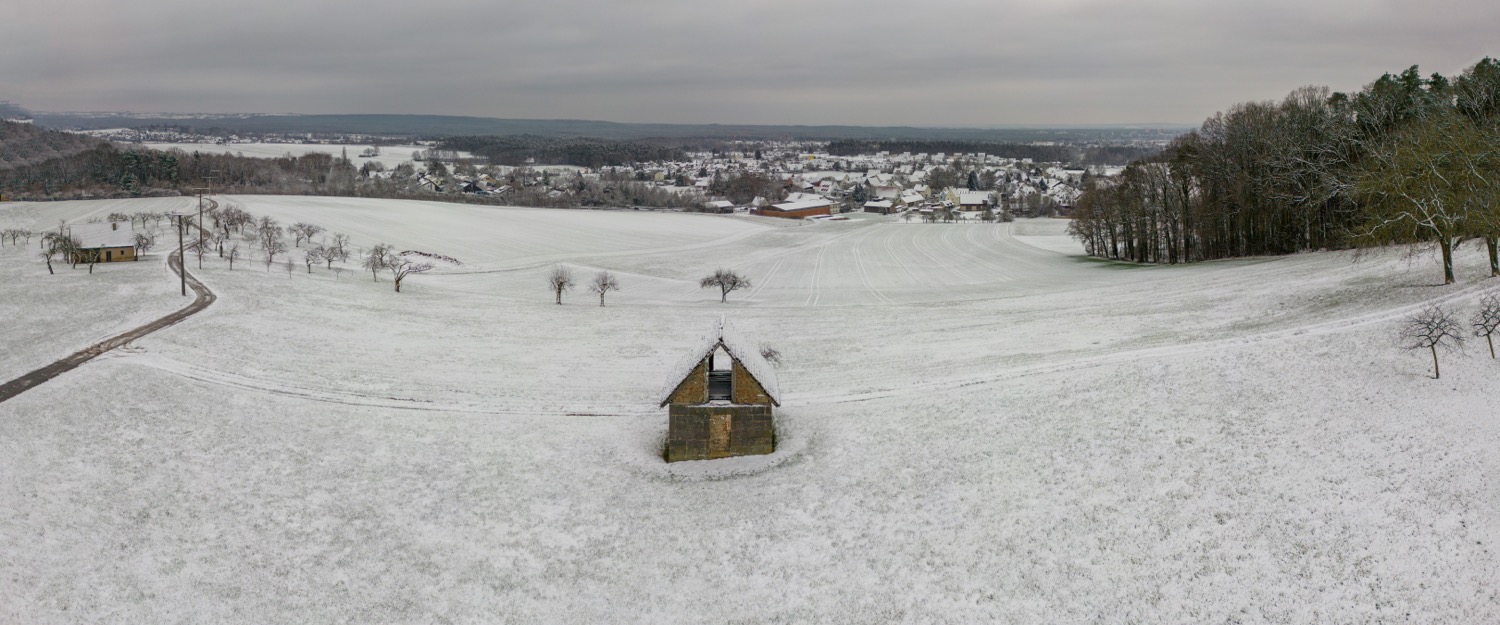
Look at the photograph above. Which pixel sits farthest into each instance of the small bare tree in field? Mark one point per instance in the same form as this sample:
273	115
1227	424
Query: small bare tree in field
338	250
313	256
727	281
771	354
234	252
604	282
1487	319
143	243
1429	329
375	261
561	279
290	266
46	254
88	256
401	267
273	247
303	231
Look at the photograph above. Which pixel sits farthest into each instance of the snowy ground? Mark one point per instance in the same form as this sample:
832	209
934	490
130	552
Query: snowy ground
980	426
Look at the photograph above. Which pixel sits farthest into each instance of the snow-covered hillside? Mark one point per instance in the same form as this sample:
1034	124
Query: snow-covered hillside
979	425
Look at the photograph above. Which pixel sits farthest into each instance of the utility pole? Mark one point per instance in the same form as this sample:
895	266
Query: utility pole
181	264
200	191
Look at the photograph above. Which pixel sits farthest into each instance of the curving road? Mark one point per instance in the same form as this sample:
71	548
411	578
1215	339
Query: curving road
204	298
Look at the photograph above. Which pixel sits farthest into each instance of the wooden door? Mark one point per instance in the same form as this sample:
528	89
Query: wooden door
718	435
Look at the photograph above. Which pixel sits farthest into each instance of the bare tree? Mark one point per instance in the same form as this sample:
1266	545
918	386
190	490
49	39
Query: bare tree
290	266
46	254
89	256
303	231
375	261
338	249
604	282
401	266
1487	319
561	279
312	256
234	252
273	247
727	281
1431	328
771	354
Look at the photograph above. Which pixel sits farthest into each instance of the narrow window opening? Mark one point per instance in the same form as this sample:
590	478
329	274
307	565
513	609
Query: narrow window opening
720	376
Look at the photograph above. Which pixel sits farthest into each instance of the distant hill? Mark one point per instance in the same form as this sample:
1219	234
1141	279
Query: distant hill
27	144
451	126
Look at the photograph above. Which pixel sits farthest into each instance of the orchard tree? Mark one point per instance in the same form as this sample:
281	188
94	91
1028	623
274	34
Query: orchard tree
727	281
561	279
375	260
234	252
604	282
273	247
401	266
1487	319
1429	329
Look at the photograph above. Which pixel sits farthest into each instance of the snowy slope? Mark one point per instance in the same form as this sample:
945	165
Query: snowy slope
975	429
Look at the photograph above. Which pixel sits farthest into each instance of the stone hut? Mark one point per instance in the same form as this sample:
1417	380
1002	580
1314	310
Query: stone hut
720	399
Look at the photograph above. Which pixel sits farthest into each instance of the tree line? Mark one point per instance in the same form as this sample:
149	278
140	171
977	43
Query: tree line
110	171
1070	154
1407	159
581	151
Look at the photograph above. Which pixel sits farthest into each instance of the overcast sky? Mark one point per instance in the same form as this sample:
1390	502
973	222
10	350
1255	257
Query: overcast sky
931	63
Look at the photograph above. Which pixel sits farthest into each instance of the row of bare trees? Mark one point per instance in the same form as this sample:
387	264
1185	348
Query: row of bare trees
561	280
1407	159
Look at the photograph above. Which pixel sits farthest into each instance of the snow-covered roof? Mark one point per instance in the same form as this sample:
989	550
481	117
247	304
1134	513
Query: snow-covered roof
723	334
796	206
105	234
719	204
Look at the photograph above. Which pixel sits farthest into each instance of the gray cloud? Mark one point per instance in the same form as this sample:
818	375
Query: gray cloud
946	62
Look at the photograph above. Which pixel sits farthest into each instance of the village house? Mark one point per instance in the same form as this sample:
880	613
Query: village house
798	210
720	399
113	241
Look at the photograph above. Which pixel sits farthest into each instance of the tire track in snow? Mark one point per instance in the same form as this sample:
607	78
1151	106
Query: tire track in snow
813	294
864	275
891	251
766	279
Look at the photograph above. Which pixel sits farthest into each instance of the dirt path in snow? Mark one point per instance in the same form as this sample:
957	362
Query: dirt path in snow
204	298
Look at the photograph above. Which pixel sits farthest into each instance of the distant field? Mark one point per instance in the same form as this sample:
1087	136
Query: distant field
981	426
390	155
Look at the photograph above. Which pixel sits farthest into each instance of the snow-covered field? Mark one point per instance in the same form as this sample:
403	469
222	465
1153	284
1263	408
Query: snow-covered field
390	155
980	426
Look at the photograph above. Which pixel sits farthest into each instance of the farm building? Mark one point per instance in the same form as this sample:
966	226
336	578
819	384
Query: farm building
113	241
798	210
720	399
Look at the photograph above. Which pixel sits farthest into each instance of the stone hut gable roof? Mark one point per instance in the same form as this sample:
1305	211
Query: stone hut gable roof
724	334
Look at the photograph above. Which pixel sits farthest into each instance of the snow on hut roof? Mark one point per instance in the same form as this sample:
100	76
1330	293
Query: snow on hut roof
723	334
103	234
